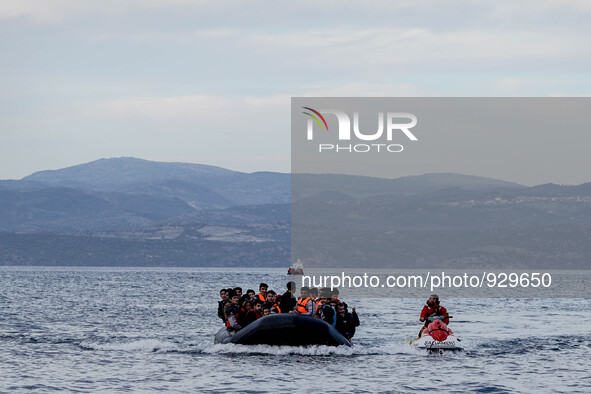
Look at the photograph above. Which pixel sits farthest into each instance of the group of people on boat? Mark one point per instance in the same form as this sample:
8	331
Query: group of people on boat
238	310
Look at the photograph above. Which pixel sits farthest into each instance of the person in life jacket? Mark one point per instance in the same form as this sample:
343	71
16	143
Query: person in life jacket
319	305
432	308
263	292
273	308
233	313
271	301
305	305
346	322
255	313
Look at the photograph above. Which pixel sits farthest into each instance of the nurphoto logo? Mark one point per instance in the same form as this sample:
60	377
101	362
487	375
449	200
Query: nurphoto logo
397	123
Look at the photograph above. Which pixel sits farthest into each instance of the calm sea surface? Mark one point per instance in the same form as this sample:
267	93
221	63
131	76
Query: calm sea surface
92	329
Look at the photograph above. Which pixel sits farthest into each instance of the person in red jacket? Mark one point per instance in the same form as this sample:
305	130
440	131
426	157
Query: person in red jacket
433	309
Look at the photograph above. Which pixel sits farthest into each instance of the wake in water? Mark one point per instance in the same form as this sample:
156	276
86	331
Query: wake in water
522	345
155	345
142	345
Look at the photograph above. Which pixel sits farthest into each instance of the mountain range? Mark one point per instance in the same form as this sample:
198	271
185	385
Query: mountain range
134	212
123	193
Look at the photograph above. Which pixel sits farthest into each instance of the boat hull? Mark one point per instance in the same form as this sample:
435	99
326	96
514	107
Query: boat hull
288	329
427	342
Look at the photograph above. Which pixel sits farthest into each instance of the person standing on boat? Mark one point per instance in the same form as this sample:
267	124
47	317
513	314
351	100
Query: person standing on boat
288	301
432	308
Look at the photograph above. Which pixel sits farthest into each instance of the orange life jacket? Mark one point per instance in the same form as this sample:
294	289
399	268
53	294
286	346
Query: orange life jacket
277	308
261	297
302	305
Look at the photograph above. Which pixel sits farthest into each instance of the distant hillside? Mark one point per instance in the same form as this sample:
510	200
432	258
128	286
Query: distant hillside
112	173
306	185
123	193
201	186
440	220
128	211
127	193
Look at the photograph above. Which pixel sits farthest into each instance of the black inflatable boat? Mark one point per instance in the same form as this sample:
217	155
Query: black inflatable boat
288	329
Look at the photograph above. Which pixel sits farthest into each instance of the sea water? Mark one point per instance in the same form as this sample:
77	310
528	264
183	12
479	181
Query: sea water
139	329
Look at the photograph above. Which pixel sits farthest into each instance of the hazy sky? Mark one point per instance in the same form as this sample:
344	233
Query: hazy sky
210	81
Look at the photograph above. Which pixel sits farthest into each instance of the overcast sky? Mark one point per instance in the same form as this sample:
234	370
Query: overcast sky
210	81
